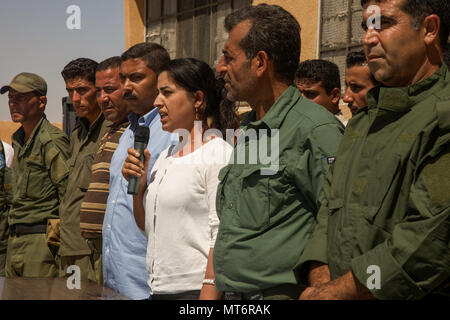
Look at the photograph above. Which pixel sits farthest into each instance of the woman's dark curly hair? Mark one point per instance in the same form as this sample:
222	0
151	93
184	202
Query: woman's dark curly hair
193	75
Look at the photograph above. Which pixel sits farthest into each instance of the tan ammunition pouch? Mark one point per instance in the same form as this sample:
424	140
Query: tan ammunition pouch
53	232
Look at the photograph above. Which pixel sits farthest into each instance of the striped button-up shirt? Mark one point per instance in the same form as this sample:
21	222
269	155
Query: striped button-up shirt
94	203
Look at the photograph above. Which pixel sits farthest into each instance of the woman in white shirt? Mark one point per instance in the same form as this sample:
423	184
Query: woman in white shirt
177	209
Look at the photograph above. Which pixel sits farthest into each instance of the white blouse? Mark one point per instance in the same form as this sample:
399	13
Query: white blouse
9	154
181	222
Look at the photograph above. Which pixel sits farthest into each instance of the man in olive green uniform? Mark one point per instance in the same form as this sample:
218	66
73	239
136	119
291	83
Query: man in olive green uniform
79	76
384	227
40	178
5	203
267	207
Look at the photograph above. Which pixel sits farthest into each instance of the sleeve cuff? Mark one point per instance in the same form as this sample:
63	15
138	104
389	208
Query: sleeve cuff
315	250
393	284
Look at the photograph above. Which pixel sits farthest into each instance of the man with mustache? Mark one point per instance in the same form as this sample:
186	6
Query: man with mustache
40	178
267	210
79	76
384	227
358	81
110	100
124	245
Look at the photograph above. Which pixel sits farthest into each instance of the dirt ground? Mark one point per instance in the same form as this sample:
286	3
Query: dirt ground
7	128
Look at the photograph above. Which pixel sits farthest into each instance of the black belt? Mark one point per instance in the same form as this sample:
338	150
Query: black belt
228	295
286	291
22	229
187	295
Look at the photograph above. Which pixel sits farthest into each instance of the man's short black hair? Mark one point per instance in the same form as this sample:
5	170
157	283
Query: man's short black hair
356	58
155	55
418	10
322	71
274	31
80	68
110	63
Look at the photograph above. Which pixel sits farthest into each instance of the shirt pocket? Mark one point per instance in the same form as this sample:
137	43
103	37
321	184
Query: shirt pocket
84	177
336	224
36	178
71	164
380	186
334	207
253	199
220	197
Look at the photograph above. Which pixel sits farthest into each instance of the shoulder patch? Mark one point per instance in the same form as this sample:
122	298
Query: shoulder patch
436	177
330	160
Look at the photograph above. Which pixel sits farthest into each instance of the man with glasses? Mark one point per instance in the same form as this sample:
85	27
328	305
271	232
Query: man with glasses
40	177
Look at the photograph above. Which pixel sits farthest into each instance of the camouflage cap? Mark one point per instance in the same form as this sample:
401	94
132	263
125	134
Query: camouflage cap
26	82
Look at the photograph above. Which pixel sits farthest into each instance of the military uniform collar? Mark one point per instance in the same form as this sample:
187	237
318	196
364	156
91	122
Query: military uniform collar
19	135
89	127
403	99
277	113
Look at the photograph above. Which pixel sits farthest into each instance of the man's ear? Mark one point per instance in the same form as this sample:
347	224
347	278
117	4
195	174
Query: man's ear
261	62
431	26
336	95
42	102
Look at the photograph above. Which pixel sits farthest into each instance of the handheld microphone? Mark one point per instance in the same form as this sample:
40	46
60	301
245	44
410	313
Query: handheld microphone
140	143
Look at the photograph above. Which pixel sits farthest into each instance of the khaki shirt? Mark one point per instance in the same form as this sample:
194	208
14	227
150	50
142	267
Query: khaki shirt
267	210
387	204
84	145
40	173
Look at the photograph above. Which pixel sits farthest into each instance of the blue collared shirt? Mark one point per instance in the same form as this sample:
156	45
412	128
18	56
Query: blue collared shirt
124	245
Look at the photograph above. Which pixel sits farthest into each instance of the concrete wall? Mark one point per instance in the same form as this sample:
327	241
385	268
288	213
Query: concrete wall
134	20
306	13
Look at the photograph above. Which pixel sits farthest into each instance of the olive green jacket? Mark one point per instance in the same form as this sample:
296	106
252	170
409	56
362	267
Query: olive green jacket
267	205
40	173
387	202
84	145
